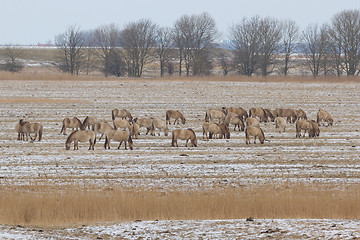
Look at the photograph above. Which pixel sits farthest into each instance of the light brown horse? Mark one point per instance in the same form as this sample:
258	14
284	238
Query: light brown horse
121	113
300	114
250	121
315	128
287	113
256	132
135	130
159	124
101	127
26	128
184	134
88	122
19	130
176	115
73	123
280	124
323	116
243	115
81	136
144	122
212	114
218	129
118	136
234	119
258	112
122	123
305	125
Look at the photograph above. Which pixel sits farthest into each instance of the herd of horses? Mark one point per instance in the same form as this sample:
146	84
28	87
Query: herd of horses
216	125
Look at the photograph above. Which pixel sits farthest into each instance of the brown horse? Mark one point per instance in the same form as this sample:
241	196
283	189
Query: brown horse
269	114
323	116
184	134
122	123
256	132
88	122
280	124
101	127
144	122
300	114
25	128
252	122
258	112
305	125
315	127
288	113
118	136
121	113
81	136
74	123
212	114
176	115
234	119
243	115
217	129
159	124
135	130
19	130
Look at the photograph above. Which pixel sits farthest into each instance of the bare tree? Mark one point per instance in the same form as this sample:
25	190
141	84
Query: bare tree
194	36
12	62
137	39
270	34
315	39
345	40
245	41
107	38
289	41
163	50
70	45
225	62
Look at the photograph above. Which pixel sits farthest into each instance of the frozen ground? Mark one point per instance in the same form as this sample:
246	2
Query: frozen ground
333	158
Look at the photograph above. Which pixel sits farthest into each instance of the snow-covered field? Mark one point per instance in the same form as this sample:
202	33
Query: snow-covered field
333	158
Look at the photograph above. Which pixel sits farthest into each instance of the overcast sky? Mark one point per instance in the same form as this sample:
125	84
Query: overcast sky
39	21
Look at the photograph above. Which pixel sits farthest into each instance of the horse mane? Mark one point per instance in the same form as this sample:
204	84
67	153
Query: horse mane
192	131
68	140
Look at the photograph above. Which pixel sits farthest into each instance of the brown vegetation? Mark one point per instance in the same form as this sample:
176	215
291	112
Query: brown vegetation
54	205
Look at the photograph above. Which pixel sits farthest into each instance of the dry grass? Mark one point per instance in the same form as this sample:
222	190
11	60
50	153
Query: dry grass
59	206
40	100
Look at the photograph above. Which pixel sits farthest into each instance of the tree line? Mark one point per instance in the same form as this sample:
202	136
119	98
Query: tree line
259	45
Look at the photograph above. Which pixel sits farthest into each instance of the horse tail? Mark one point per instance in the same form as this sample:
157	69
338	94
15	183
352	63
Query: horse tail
167	117
250	112
173	140
106	141
113	114
130	139
40	132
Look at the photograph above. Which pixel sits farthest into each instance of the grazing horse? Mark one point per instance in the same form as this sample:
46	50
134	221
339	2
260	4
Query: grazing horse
234	119
324	116
159	124
269	114
81	136
135	130
25	128
176	115
122	123
258	112
305	125
243	115
256	132
101	127
88	122
300	114
122	113
315	127
250	121
280	124
288	113
184	134
19	130
71	123
212	114
144	122
118	136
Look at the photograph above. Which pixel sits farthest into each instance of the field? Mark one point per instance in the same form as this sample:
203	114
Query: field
321	173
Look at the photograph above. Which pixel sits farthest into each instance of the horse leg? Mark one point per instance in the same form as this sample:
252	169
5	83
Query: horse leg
254	139
76	145
120	144
125	145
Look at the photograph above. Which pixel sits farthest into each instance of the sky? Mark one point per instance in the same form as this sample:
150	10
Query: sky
39	21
